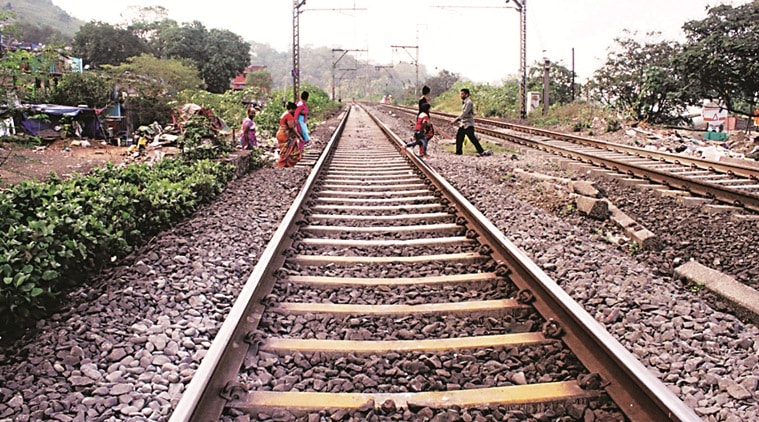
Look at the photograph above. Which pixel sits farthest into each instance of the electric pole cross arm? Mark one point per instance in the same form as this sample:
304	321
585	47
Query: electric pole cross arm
335	62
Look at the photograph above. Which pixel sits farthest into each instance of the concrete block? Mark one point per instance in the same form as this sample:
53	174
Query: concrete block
743	300
585	188
632	182
592	207
605	173
578	167
672	192
643	237
719	209
620	218
693	201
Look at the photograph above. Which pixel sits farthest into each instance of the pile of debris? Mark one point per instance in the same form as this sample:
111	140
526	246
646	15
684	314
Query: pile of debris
738	145
153	142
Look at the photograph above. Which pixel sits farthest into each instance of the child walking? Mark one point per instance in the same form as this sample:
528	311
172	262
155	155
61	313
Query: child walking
423	130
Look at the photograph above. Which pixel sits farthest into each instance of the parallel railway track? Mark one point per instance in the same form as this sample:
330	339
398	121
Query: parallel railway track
729	183
385	292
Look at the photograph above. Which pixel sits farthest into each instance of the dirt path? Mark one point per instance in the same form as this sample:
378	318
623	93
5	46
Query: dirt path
18	162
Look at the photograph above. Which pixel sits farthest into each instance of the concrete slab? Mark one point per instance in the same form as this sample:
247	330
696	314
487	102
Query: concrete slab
744	217
578	167
632	182
605	173
743	300
585	188
693	201
719	209
643	237
672	192
620	218
592	207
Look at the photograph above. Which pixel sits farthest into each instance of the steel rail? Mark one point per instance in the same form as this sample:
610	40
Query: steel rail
202	400
638	393
694	185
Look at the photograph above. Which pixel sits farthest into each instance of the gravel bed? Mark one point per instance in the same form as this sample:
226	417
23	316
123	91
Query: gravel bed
412	371
396	295
126	346
441	219
395	251
392	270
415	327
593	410
708	357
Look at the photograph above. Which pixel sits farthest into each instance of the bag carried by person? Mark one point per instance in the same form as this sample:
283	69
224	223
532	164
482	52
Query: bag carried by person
430	132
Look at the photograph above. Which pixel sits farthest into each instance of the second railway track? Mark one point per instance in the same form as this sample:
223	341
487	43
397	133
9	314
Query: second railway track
385	294
730	183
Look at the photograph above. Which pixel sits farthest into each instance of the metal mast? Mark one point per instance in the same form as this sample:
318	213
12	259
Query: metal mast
416	62
297	4
334	65
521	7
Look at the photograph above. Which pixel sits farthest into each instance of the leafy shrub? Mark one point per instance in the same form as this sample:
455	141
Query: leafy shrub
57	231
613	125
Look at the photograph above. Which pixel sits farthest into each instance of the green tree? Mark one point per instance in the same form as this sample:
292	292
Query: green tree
259	79
150	85
638	81
721	56
220	55
92	88
99	43
441	82
227	55
172	75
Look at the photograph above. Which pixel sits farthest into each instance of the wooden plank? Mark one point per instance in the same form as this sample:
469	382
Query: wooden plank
471	306
509	395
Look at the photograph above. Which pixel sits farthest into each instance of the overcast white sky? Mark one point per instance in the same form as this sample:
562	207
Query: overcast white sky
478	39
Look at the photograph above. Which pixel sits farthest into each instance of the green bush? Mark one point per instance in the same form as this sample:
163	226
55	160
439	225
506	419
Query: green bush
58	231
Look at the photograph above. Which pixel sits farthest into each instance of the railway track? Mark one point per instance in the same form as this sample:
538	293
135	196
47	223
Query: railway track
729	183
385	293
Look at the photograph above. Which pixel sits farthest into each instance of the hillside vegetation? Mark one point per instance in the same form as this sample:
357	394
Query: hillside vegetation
42	14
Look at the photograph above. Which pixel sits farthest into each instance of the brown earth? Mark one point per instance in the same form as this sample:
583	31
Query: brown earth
20	162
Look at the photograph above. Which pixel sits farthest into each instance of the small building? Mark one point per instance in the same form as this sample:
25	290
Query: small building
238	83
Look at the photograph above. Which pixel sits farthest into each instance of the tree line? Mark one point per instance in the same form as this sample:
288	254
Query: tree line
643	78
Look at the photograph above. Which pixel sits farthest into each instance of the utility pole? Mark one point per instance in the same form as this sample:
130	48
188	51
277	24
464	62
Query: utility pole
415	60
334	65
521	7
297	4
546	84
573	74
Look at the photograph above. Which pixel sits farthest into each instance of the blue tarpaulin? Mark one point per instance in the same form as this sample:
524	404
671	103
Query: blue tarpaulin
87	118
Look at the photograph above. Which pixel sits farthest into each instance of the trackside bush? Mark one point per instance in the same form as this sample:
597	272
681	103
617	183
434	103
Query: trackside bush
57	231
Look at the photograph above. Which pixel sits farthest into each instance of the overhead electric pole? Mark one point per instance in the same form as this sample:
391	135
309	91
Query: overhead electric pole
416	62
297	4
334	65
521	7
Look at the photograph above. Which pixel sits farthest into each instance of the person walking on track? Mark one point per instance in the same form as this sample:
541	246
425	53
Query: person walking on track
466	125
